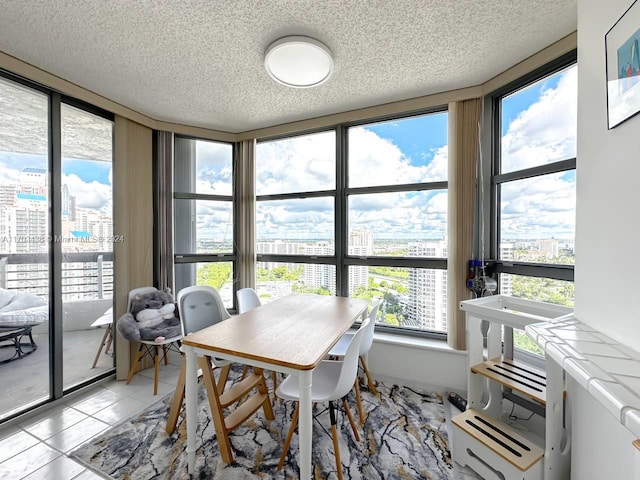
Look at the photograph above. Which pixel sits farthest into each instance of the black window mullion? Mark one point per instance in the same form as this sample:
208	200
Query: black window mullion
546	169
55	266
341	227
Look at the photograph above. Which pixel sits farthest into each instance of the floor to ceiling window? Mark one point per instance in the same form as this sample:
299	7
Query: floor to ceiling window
56	262
534	186
295	215
86	213
203	216
358	210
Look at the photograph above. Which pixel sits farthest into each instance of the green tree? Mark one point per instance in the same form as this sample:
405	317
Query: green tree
215	275
543	289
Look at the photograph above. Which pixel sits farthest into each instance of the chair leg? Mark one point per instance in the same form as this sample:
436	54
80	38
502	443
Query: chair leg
102	343
164	352
222	377
134	364
334	434
292	428
110	338
222	435
356	386
155	370
351	421
372	387
178	398
245	369
263	390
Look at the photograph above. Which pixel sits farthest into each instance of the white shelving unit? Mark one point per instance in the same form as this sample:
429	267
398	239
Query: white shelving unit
481	439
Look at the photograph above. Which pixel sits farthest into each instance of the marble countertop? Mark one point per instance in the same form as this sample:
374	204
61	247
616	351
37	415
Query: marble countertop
606	369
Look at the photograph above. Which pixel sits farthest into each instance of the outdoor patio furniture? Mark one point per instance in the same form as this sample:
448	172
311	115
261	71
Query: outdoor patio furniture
106	320
19	313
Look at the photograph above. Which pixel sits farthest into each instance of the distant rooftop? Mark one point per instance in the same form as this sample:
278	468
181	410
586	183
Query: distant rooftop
33	170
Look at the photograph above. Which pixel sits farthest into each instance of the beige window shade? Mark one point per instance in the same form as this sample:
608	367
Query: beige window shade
246	207
463	159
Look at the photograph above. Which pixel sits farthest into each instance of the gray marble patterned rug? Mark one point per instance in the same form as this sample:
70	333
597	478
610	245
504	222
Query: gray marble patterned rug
405	437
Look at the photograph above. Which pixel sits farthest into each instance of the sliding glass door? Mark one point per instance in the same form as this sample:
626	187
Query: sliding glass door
87	243
56	253
24	249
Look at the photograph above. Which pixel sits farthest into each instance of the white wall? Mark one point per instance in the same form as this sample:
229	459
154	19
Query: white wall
607	241
607	275
418	362
602	447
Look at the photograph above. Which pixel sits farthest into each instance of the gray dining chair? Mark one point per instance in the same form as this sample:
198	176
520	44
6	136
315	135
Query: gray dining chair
201	307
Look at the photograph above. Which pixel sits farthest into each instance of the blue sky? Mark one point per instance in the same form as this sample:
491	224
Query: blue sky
416	138
520	101
88	170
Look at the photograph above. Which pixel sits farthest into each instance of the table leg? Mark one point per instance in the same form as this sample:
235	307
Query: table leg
191	404
304	423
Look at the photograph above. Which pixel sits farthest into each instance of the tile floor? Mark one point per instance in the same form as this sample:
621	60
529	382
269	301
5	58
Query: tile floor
37	448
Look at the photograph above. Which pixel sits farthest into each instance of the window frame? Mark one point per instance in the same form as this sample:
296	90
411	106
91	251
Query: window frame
491	179
341	259
494	177
195	258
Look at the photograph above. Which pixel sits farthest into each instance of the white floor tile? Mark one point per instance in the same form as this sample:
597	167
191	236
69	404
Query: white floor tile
47	412
7	432
56	423
89	475
62	468
120	410
28	461
101	400
138	384
79	433
15	444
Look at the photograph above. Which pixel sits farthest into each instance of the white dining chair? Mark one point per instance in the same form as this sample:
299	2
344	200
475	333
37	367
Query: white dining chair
332	381
248	300
200	307
340	349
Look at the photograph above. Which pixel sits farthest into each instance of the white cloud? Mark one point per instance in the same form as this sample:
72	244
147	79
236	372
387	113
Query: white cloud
307	163
377	161
546	131
93	195
544	206
214	168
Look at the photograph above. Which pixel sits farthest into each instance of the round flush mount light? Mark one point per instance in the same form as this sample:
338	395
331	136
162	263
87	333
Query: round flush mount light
298	62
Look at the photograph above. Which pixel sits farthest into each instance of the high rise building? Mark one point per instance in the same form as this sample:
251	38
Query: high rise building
506	253
548	247
426	302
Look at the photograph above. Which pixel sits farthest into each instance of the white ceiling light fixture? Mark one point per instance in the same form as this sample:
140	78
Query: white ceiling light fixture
298	62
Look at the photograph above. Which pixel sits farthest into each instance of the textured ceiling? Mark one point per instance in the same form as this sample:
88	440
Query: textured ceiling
201	62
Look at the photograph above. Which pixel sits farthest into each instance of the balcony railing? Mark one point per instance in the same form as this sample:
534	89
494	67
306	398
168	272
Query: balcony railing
85	275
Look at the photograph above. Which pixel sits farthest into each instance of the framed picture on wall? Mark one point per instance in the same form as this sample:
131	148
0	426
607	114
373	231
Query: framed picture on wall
622	50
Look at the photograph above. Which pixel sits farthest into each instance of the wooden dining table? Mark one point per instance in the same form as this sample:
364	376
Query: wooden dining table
292	335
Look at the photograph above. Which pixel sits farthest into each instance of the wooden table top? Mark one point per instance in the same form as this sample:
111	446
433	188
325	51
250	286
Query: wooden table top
296	331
